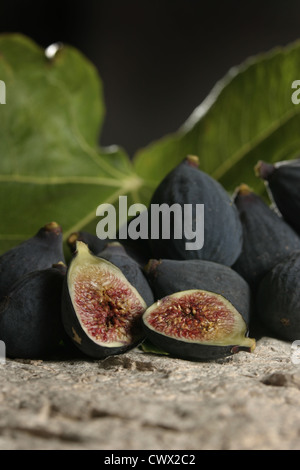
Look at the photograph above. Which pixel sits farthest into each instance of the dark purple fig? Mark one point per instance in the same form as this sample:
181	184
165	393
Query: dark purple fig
117	255
196	325
187	186
137	249
30	316
267	238
169	276
94	243
39	252
282	180
101	309
278	299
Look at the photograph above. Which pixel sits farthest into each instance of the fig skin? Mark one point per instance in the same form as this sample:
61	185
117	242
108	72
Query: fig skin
194	352
282	180
186	184
94	243
117	255
30	316
73	328
38	252
169	276
278	299
267	238
197	350
136	249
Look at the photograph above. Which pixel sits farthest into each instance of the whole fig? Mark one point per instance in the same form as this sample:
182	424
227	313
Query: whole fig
39	252
184	188
283	184
278	299
267	238
94	243
30	316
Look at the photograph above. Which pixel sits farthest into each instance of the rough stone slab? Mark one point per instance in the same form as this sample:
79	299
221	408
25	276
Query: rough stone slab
144	401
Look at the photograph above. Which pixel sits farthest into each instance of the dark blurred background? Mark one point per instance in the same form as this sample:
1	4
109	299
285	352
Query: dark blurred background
158	59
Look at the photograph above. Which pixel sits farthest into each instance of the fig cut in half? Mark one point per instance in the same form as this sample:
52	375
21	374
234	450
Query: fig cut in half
101	310
196	325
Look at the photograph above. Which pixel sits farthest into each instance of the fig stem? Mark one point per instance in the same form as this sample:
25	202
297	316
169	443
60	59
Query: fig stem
243	190
151	266
264	170
192	160
53	227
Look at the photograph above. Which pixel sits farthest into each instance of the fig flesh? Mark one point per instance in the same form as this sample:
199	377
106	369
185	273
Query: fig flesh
278	299
169	276
101	309
30	316
38	252
267	238
117	255
282	180
188	185
196	325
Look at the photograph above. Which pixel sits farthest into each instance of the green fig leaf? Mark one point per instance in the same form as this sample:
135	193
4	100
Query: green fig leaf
51	166
248	116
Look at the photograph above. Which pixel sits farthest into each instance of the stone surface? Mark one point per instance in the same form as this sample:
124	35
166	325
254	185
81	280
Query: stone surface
145	401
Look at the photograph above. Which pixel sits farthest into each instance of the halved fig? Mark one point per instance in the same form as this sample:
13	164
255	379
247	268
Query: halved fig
167	276
116	254
101	309
196	324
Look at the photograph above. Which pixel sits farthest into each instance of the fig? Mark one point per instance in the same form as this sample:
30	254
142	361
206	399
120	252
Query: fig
196	325
117	255
170	276
30	316
188	186
282	181
278	299
101	309
38	252
267	238
137	249
94	243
